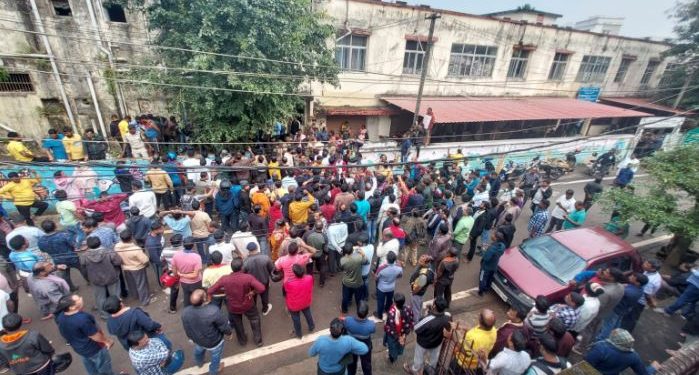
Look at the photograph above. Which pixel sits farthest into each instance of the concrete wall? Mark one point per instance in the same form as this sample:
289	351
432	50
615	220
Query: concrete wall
388	25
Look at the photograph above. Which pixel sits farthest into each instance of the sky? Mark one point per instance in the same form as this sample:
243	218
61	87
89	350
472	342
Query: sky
644	18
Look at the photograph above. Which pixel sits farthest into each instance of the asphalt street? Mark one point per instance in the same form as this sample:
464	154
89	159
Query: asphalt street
280	350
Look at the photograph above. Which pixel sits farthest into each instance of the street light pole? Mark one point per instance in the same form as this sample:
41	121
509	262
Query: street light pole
425	64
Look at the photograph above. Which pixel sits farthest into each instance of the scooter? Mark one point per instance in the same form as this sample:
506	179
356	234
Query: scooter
511	171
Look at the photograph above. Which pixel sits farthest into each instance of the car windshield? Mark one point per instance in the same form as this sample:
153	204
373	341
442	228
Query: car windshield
553	258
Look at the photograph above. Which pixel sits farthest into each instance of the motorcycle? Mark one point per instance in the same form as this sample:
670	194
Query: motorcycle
511	171
553	169
488	168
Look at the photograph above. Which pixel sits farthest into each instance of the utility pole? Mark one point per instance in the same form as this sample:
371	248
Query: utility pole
425	64
687	79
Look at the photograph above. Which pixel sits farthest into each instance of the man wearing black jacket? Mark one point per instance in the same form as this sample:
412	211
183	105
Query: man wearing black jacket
24	351
507	229
206	326
429	334
483	220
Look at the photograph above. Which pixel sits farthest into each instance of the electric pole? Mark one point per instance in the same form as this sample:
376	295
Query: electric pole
425	64
691	64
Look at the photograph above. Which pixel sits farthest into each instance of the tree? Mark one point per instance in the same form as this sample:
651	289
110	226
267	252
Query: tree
279	47
671	199
685	51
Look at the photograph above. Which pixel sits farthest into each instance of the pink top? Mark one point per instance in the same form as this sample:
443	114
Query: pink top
287	261
299	293
186	262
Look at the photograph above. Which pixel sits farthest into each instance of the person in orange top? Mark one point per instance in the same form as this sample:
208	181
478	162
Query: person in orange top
280	233
260	198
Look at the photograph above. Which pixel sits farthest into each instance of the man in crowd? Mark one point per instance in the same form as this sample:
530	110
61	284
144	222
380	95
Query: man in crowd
73	145
537	223
102	272
429	335
260	266
361	329
565	204
206	326
20	191
46	288
134	263
331	349
187	266
24	351
240	289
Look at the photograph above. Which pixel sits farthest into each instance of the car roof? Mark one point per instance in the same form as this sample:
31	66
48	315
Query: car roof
591	243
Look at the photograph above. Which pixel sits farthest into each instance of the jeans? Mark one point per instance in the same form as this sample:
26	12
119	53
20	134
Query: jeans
472	247
264	245
158	270
101	293
416	306
200	243
215	352
608	325
419	357
334	261
686	301
371	229
485	238
555	224
347	293
187	289
99	364
395	349
164	199
77	233
383	301
443	290
229	222
264	296
365	360
26	211
253	316
65	275
485	278
296	319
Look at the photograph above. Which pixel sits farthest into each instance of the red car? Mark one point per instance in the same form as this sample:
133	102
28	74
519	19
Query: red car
544	265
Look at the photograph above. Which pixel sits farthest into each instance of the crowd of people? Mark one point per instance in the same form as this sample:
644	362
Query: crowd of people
223	227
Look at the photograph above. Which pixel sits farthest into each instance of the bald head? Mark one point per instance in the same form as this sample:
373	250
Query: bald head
387	234
487	319
198	297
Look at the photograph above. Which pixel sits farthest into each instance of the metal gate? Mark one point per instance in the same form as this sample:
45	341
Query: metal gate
456	355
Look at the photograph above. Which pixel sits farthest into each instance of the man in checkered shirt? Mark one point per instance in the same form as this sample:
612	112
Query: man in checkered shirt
537	223
568	312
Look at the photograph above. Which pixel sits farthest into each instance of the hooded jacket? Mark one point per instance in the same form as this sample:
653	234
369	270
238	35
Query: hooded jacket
100	264
139	227
25	351
131	320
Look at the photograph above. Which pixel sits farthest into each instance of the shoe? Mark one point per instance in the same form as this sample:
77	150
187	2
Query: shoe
377	316
661	310
171	311
26	320
259	344
407	369
311	329
269	308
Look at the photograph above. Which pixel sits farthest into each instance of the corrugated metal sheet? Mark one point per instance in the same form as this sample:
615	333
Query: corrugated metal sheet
641	103
454	109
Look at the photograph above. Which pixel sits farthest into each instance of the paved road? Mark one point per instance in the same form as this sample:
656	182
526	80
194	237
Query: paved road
277	325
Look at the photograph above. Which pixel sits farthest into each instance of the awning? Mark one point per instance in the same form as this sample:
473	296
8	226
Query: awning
642	103
359	111
458	109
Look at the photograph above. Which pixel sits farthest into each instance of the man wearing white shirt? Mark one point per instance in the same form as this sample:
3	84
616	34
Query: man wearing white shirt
631	162
564	205
242	238
192	166
387	245
144	200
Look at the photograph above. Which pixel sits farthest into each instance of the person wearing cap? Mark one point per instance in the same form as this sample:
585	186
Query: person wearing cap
616	354
73	144
20	190
240	289
53	145
260	266
135	140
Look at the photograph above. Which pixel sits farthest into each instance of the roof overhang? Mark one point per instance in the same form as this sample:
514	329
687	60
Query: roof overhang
449	110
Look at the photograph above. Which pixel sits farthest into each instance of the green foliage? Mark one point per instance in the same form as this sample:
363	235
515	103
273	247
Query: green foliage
4	74
670	201
259	31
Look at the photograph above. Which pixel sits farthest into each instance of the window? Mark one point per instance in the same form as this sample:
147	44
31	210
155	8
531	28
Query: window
350	52
414	56
593	68
115	12
648	73
623	69
518	64
558	68
550	256
16	82
468	60
671	73
61	8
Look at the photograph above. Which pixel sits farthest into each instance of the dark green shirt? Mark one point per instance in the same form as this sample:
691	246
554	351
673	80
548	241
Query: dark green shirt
352	266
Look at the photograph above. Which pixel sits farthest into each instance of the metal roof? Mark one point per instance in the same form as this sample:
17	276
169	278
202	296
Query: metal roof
459	109
643	103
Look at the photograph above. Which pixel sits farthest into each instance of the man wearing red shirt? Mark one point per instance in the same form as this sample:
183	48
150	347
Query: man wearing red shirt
299	297
286	262
240	289
328	209
110	206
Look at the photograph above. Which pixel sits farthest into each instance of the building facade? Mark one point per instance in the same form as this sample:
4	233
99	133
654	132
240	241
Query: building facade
381	49
380	46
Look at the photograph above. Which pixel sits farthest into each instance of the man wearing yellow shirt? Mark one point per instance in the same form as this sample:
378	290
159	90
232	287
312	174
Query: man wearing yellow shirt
260	197
124	126
298	209
73	144
21	192
161	184
478	343
20	152
274	172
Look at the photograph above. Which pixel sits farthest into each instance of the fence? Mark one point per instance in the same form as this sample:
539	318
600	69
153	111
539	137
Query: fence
457	356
